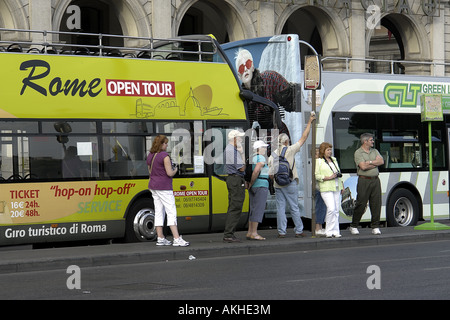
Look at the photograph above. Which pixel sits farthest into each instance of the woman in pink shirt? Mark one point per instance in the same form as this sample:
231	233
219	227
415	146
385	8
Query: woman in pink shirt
161	172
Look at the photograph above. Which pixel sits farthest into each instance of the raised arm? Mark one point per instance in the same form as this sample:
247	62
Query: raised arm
307	129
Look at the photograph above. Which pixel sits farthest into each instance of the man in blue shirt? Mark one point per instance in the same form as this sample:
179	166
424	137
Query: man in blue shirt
235	168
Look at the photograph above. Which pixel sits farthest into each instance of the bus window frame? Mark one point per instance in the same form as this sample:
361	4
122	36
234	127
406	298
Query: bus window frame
378	132
99	135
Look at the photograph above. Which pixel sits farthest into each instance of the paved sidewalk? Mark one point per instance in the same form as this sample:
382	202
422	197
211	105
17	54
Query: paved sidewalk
23	259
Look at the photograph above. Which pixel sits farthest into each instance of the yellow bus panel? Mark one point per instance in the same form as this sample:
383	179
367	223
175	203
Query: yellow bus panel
48	86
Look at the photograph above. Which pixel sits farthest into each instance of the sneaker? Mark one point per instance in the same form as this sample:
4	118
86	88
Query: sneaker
180	242
163	242
334	235
320	233
354	230
376	231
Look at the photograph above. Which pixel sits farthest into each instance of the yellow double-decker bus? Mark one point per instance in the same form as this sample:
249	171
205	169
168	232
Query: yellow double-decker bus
77	121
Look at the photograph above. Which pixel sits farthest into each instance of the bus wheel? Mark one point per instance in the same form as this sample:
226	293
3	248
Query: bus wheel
141	222
402	209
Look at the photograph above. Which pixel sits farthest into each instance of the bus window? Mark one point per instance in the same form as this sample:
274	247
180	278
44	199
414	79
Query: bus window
401	139
185	145
138	127
76	157
401	149
348	128
438	148
14	148
400	143
124	156
167	128
19	127
14	157
81	158
55	155
125	148
66	127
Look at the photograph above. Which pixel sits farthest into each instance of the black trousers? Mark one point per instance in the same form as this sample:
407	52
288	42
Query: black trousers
236	197
368	190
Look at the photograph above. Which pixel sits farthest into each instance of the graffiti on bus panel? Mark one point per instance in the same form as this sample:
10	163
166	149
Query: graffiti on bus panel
199	99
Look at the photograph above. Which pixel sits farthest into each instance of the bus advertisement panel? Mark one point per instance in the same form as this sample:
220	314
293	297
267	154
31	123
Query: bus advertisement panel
48	86
75	210
276	76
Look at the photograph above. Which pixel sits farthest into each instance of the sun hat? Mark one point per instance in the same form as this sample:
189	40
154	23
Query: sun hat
260	144
234	134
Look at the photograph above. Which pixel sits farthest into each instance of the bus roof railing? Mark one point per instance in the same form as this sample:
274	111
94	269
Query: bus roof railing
202	47
392	63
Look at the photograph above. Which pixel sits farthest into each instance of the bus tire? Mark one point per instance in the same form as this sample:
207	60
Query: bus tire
140	223
402	209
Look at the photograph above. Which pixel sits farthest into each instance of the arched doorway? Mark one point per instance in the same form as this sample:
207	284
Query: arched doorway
304	24
12	15
96	17
321	28
386	44
398	37
223	19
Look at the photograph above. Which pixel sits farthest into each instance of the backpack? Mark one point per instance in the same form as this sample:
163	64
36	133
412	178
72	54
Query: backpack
248	170
284	175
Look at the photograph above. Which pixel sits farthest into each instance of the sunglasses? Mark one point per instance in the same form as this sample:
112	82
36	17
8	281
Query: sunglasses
247	64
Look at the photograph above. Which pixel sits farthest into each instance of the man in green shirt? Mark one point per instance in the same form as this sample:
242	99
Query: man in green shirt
367	160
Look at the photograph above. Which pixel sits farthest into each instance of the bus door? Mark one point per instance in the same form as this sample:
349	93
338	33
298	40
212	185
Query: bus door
190	184
216	140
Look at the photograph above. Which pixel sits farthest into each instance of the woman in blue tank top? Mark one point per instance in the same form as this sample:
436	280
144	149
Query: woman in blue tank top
258	190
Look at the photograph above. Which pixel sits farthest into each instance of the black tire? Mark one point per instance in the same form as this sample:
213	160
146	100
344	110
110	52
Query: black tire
402	209
140	223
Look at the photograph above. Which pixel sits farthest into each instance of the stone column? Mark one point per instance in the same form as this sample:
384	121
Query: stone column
357	25
40	13
161	19
437	43
266	19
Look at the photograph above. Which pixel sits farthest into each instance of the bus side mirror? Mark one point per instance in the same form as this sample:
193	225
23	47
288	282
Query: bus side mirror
246	95
62	127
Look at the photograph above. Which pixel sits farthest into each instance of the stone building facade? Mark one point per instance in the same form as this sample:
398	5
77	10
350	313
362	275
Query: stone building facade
406	30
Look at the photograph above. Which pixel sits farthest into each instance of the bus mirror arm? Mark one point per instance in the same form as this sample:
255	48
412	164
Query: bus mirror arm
250	96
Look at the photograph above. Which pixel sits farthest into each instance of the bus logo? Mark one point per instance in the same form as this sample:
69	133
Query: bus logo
401	95
140	88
